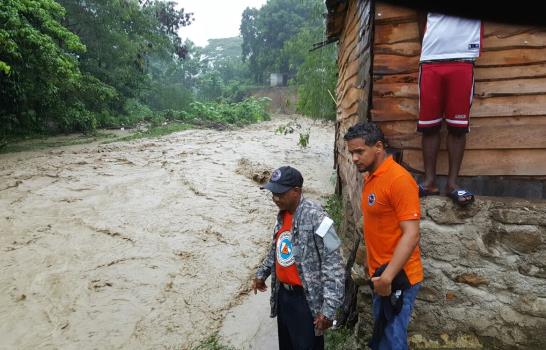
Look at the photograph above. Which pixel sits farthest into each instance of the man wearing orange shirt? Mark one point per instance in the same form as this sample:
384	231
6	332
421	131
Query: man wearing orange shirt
305	265
391	214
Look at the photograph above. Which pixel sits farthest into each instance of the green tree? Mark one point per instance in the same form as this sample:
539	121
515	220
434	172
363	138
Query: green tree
266	30
316	76
224	75
122	37
173	82
38	68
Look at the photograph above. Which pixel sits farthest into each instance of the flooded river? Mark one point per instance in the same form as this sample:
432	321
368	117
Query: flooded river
147	244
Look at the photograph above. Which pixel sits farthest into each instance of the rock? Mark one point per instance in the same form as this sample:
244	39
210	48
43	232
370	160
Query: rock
520	238
429	294
445	341
485	276
451	296
471	279
444	211
532	270
519	212
531	305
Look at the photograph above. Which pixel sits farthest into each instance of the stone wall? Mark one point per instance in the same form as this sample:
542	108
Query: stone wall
485	276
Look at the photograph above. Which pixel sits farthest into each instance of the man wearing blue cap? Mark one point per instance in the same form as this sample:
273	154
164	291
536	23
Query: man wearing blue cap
307	272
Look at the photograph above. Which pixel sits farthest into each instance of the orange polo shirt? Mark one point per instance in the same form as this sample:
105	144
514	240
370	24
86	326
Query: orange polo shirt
390	195
285	267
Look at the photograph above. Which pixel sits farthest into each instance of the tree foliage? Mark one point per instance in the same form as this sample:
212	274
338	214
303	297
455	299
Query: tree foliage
70	64
265	31
268	49
38	64
316	73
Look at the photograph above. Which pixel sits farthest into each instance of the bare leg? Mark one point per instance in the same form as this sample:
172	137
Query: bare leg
431	145
455	150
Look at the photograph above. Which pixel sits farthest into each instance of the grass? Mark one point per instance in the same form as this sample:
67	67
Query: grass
334	208
35	142
155	132
212	343
339	339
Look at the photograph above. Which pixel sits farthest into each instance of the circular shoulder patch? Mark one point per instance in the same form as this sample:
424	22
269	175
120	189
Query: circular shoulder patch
285	257
371	199
276	175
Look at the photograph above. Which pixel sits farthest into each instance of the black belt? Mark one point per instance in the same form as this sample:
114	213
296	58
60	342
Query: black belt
292	288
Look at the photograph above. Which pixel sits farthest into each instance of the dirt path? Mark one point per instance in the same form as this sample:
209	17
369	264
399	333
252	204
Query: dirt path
140	245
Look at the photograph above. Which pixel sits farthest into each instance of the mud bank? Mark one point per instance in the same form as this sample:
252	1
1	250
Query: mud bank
144	244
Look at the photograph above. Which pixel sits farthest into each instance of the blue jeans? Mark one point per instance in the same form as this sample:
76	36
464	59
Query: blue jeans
395	336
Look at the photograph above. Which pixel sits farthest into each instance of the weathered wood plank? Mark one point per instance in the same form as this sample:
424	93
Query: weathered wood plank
521	162
352	96
354	51
510	72
352	24
482	89
348	112
396	78
358	58
403	108
385	13
410	48
395	90
533	38
516	86
480	74
409	126
484	137
394	108
509	106
396	33
394	64
511	57
503	30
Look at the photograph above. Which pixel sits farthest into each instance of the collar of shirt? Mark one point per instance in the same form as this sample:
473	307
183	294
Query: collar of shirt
383	168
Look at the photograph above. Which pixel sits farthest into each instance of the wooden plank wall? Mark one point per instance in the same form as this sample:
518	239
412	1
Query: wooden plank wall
353	93
508	115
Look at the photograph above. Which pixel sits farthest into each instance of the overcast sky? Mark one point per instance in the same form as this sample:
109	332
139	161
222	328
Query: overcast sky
215	18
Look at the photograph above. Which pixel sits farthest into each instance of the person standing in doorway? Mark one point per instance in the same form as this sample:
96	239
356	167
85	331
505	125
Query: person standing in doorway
450	45
391	215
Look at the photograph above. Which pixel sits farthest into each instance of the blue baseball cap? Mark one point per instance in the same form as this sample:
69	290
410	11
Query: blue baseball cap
283	179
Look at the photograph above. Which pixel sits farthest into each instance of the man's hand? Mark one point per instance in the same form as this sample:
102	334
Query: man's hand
258	284
322	323
382	286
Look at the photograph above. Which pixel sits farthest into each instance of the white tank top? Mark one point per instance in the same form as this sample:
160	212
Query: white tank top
448	37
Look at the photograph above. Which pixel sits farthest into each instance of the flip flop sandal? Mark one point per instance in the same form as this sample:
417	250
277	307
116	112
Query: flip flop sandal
423	192
461	197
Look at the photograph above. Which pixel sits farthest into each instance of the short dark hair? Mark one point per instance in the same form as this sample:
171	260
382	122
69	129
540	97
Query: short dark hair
368	131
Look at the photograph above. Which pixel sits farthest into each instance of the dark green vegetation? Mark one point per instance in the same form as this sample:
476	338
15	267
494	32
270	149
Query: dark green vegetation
339	339
212	343
270	50
334	208
73	65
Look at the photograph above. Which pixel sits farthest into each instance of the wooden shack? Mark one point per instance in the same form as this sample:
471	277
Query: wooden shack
378	61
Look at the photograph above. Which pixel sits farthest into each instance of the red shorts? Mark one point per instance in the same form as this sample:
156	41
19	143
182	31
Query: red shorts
445	92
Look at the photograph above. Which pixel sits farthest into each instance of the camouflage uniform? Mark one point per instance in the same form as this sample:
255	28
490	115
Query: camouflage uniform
321	270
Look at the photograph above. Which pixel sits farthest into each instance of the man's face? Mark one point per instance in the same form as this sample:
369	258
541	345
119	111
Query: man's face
288	199
363	156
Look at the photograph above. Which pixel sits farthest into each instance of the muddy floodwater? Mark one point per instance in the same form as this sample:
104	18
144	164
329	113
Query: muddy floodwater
147	244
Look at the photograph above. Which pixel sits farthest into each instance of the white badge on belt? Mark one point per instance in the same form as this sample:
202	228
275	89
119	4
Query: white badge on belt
324	226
